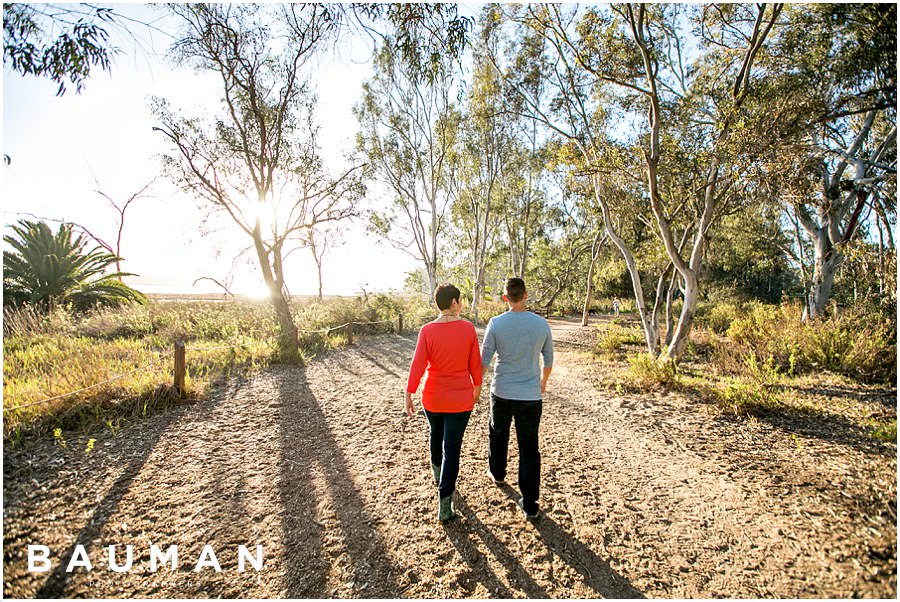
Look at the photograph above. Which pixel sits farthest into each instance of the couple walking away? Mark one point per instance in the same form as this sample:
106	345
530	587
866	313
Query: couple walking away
448	349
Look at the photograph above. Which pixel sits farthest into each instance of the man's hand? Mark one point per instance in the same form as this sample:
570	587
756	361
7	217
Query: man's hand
410	408
544	377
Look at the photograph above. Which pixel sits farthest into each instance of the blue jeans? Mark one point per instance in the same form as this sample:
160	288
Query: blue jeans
445	443
527	415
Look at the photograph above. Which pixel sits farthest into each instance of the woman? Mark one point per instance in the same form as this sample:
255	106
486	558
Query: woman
448	349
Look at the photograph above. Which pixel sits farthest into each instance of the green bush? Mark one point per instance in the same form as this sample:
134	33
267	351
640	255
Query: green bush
611	337
646	372
718	317
856	343
743	398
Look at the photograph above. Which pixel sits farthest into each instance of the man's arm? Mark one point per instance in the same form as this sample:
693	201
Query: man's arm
544	377
547	355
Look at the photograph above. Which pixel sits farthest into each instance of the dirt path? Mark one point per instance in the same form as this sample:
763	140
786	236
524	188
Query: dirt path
644	496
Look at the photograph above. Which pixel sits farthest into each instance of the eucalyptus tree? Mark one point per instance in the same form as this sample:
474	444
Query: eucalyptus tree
638	57
480	164
835	67
257	160
546	84
408	128
523	211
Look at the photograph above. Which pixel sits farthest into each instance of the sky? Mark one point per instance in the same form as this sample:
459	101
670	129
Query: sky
63	149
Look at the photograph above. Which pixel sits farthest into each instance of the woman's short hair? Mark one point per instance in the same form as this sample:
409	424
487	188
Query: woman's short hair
445	294
515	289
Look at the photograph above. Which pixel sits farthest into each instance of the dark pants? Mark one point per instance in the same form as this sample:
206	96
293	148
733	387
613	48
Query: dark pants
445	441
528	420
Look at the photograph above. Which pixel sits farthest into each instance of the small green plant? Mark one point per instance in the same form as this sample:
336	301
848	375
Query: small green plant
765	373
884	431
90	446
58	437
611	337
742	398
645	371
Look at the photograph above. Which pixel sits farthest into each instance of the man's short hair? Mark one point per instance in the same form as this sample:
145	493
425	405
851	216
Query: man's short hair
515	289
445	294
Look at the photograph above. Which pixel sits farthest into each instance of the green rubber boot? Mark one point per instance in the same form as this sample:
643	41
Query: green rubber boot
437	473
445	509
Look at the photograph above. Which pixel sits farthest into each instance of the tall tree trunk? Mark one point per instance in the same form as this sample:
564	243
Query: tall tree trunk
827	261
431	273
670	311
476	298
319	270
288	342
595	254
651	334
676	348
662	289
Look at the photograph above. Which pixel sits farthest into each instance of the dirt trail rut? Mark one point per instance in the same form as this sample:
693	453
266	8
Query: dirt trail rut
643	495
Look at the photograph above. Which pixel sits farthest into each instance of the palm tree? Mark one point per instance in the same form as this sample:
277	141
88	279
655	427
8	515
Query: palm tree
48	270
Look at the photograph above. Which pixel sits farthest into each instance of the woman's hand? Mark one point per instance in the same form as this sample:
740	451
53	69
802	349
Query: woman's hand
476	394
410	408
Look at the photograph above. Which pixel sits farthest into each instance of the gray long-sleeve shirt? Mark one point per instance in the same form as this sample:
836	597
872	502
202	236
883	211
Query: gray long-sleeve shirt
519	339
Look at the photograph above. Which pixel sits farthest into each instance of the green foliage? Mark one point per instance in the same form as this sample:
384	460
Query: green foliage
647	372
746	398
718	317
856	343
81	43
611	337
47	270
746	259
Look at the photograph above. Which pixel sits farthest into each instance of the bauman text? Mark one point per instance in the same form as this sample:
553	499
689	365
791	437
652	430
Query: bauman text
39	559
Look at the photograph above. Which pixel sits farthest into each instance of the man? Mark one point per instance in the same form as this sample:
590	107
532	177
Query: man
519	338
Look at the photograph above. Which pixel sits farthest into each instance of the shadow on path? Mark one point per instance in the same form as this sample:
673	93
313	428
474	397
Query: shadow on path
309	450
597	573
516	573
58	580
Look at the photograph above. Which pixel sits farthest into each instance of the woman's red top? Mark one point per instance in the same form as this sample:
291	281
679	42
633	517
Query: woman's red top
450	353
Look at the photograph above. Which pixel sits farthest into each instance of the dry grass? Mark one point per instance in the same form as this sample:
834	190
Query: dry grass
123	358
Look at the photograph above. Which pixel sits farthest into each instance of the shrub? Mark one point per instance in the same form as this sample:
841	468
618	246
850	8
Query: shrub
26	321
719	317
743	398
646	372
856	344
611	337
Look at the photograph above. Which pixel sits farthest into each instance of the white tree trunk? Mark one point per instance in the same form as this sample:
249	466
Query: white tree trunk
595	254
679	342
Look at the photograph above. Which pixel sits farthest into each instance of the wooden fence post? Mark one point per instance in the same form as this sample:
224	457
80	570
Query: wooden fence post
179	367
350	333
400	324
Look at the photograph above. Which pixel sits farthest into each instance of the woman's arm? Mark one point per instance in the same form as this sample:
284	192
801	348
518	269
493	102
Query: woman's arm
475	366
416	370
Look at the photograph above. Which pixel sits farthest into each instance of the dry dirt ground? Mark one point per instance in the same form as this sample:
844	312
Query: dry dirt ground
644	496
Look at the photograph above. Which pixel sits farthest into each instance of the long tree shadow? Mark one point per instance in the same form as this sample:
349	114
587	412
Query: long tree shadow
597	573
310	451
381	362
515	571
58	580
825	426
